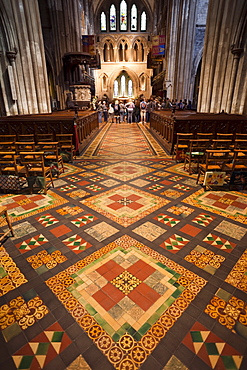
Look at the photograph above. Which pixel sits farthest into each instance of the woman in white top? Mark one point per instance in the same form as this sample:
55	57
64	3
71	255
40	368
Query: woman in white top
130	107
111	112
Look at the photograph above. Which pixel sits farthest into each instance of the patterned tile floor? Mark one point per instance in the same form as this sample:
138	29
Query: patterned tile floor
126	264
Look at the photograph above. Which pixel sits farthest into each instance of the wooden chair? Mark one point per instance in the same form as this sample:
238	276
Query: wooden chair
221	144
26	137
196	153
239	136
239	168
52	155
24	146
4	213
34	163
240	144
205	135
44	137
9	166
182	145
9	138
7	146
216	160
65	142
223	136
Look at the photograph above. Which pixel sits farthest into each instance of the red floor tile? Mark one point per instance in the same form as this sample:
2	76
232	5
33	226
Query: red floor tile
190	230
60	230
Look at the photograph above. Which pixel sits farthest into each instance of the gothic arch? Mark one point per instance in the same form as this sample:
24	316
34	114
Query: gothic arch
132	75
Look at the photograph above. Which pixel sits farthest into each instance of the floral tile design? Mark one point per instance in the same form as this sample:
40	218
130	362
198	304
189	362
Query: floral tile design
238	275
161	173
70	210
180	210
87	174
47	220
76	243
165	219
101	231
42	349
46	260
203	219
211	349
124	171
78	194
205	259
232	230
219	242
229	311
123	325
149	231
19	314
31	243
174	243
170	193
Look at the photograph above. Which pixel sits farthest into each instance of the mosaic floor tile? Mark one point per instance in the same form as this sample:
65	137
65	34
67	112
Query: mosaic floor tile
22	206
11	277
149	231
78	194
101	231
31	243
79	364
87	174
125	204
232	230
47	220
69	169
109	183
124	171
59	183
211	349
180	210
219	242
91	166
162	174
84	220
190	230
97	178
170	193
19	314
229	311
174	243
73	178
41	350
123	323
67	187
76	243
83	183
238	275
229	204
156	187
165	219
94	188
140	182
179	170
60	230
70	210
152	178
175	364
46	260
176	178
203	219
83	163
190	182
205	259
182	187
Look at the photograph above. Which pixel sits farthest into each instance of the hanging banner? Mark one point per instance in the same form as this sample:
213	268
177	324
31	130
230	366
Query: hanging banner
158	45
88	44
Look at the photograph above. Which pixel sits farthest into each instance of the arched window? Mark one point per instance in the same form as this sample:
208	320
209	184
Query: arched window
130	88
103	22
113	25
123	85
115	88
108	52
123	16
133	26
143	21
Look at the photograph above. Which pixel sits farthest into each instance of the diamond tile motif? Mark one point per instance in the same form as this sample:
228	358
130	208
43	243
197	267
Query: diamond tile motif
140	183
211	349
161	173
126	325
124	171
42	349
86	219
167	220
97	178
109	183
31	243
174	243
203	219
19	314
232	230
101	231
182	187
149	231
68	211
205	259
79	364
46	260
67	187
73	178
176	178
229	311
76	243
47	220
94	188
152	178
125	204
219	242
238	275
155	187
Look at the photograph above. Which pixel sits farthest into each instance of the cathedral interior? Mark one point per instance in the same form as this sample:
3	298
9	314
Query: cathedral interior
126	251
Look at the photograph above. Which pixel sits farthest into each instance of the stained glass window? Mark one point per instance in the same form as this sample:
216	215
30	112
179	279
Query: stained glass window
103	22
134	18
123	87
130	88
115	88
113	25
123	16
143	21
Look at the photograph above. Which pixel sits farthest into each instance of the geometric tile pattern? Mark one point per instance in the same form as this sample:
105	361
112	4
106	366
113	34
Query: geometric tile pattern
116	338
149	231
180	210
42	349
46	260
182	187
170	193
165	219
68	211
84	220
229	311
174	243
101	231
205	259
94	188
232	230
31	243
10	275
238	275
124	171
19	315
203	219
211	349
47	220
76	243
219	242
155	187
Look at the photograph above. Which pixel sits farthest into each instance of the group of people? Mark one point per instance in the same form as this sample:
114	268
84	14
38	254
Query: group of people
136	110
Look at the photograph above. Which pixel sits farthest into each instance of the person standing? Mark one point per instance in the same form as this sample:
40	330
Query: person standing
105	111
100	111
130	108
143	110
121	111
116	111
111	112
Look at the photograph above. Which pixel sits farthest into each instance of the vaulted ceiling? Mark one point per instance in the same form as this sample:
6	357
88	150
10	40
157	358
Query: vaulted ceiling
97	4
